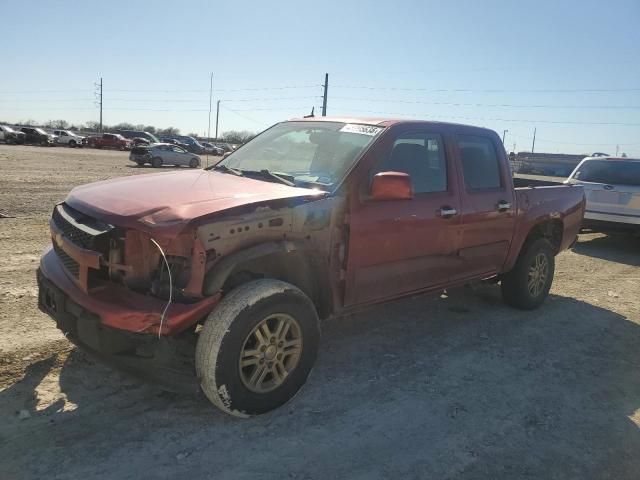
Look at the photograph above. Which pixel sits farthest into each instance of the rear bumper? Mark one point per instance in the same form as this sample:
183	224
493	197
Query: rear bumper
165	360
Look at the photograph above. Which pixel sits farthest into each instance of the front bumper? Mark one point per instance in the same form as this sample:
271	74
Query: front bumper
168	361
115	305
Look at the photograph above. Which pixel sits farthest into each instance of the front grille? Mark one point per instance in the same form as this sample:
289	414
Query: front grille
69	263
72	229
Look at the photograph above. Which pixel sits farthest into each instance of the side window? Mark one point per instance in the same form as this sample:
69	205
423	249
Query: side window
421	155
480	165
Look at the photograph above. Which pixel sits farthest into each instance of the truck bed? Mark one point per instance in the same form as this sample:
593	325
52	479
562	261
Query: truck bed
520	180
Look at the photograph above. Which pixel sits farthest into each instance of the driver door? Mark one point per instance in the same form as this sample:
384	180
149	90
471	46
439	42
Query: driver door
402	246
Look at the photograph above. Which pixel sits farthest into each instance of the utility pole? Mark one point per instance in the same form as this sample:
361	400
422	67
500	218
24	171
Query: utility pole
504	132
533	145
217	117
617	148
100	104
210	97
324	97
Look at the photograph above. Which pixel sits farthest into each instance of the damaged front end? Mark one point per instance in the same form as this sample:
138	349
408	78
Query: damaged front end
108	290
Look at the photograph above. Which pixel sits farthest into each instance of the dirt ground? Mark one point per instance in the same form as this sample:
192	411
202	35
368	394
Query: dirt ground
459	386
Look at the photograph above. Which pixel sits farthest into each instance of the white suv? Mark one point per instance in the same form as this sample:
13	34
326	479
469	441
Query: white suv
612	188
69	138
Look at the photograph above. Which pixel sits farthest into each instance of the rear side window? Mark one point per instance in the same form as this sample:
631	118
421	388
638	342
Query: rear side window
480	165
617	172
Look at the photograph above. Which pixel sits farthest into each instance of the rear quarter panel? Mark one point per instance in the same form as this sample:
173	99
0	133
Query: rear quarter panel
565	203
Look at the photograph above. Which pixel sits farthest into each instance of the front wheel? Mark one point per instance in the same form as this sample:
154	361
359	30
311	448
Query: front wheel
156	162
257	347
527	285
194	163
72	143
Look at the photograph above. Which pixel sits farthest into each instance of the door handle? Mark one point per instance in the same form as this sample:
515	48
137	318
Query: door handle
503	206
448	212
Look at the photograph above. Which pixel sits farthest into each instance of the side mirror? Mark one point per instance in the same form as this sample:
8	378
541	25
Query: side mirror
391	186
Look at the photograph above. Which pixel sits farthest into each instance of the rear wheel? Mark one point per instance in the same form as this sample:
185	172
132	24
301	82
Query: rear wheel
72	143
527	285
257	347
156	162
194	163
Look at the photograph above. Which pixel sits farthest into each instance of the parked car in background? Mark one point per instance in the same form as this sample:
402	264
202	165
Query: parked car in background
69	138
140	135
226	147
312	219
109	140
211	149
190	143
612	189
38	136
159	154
10	136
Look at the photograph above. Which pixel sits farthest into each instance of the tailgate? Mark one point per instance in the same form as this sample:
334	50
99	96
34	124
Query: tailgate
621	200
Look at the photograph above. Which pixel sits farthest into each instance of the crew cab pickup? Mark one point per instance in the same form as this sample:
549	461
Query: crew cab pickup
109	140
217	279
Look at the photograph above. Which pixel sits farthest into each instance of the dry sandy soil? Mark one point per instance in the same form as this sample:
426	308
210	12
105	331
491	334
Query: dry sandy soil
454	387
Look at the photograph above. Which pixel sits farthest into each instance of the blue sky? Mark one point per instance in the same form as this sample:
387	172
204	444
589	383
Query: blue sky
571	69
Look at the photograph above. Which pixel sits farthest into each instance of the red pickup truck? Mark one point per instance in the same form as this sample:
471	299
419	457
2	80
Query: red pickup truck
109	140
217	279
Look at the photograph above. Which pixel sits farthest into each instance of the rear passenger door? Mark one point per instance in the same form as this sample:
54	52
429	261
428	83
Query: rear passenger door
487	205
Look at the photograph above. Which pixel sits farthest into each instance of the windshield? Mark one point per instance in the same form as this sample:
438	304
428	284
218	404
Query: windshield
618	172
307	152
41	131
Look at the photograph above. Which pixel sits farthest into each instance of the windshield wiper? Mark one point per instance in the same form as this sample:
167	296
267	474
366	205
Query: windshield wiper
277	176
226	169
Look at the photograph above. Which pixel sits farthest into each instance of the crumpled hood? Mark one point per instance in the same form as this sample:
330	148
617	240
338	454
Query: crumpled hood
170	198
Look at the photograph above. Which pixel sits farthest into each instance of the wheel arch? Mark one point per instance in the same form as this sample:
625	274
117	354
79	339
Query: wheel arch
288	261
551	229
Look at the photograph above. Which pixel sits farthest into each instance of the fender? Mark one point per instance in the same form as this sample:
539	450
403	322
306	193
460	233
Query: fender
214	279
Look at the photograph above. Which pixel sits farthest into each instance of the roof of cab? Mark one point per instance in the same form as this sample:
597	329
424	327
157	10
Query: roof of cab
382	122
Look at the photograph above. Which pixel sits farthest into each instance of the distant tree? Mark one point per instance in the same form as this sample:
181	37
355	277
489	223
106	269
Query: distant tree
169	131
150	129
91	126
28	122
57	124
233	136
194	135
124	126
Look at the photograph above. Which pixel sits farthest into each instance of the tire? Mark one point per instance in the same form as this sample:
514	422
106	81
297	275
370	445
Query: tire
72	143
230	330
522	287
194	163
156	162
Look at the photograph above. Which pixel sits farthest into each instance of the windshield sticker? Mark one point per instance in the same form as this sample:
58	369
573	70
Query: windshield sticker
369	130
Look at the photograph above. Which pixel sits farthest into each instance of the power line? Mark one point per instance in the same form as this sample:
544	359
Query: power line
244	116
255	89
573	143
500	119
458	104
493	90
